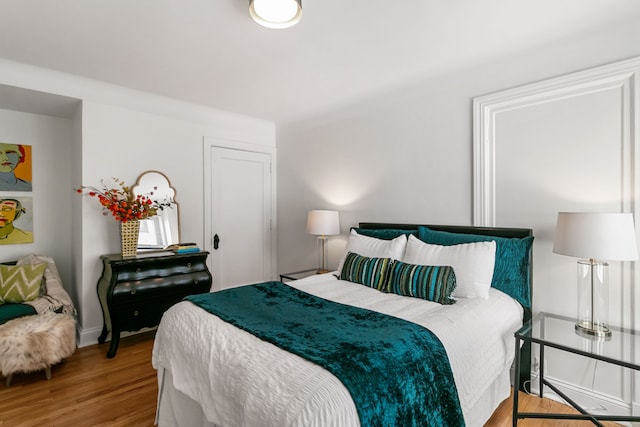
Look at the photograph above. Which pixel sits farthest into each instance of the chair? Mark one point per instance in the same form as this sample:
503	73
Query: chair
37	334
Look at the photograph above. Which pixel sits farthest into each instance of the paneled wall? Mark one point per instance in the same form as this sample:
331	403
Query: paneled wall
565	144
408	156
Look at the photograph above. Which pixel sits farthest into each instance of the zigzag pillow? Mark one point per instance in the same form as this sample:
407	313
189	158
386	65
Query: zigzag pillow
20	283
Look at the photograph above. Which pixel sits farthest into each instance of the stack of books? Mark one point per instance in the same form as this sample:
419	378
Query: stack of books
184	248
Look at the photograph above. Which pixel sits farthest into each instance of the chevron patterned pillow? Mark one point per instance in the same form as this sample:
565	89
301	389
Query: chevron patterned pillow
19	283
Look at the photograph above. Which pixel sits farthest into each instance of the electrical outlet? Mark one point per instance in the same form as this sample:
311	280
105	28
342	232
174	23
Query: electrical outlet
536	365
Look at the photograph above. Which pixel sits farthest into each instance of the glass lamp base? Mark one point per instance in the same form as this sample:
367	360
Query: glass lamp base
592	330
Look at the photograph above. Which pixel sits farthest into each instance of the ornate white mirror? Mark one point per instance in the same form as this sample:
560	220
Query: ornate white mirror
163	229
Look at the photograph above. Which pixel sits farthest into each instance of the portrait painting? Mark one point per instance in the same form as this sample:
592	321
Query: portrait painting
15	167
16	220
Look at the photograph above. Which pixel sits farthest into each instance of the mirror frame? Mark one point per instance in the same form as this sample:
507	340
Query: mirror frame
169	198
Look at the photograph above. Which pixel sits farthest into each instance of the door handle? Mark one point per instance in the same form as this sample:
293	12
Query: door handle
216	242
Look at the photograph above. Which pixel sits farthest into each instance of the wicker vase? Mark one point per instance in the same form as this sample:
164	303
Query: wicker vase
129	232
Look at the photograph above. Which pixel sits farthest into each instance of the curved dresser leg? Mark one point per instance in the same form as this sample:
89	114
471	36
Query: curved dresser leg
115	340
103	335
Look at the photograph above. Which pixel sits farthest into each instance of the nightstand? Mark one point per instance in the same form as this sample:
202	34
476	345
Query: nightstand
295	275
550	330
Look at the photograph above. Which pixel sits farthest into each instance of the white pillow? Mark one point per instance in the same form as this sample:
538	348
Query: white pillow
372	247
472	263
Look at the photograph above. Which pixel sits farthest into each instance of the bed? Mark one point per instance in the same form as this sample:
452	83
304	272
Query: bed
213	372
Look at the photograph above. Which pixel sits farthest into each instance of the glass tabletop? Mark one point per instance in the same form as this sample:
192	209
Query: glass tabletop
622	348
295	275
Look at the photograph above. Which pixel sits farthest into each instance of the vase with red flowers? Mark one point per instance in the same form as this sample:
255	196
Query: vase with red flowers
125	207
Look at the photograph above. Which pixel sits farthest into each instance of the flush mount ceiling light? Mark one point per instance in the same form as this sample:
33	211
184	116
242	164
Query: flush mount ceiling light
276	13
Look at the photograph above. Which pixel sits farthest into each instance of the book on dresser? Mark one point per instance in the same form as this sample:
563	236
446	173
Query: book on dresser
184	248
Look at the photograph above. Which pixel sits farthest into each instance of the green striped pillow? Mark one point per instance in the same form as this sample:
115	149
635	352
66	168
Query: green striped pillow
366	271
433	283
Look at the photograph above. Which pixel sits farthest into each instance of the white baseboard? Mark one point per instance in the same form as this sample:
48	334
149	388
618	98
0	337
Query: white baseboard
590	400
89	336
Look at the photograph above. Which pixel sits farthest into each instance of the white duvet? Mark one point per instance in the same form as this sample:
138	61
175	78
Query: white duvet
240	380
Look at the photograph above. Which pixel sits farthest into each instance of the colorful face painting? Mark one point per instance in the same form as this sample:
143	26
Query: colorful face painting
16	221
15	167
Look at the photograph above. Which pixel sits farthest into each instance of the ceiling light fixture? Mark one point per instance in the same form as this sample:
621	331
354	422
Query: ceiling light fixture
276	13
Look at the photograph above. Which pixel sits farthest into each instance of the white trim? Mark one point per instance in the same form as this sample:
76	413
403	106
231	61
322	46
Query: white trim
623	75
88	336
207	144
591	400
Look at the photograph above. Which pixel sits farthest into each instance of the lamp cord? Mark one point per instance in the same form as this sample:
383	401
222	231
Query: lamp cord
592	262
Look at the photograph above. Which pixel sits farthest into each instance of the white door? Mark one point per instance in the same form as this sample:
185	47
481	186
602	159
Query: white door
241	235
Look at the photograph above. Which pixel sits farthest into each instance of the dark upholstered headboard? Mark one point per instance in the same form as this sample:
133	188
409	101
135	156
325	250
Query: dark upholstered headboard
464	229
505	232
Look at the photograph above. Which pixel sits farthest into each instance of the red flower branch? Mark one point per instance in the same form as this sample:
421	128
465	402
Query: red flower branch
120	201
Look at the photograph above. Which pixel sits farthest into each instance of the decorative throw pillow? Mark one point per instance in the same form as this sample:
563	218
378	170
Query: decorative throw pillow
512	265
20	283
472	263
372	272
372	247
430	282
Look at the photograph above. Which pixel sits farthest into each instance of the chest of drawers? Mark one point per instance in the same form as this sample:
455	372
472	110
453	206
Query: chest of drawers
135	292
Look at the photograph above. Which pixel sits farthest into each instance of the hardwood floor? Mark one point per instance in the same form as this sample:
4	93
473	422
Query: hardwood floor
529	403
90	390
87	390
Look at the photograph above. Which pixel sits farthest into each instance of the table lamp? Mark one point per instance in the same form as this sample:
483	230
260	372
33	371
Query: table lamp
323	223
595	237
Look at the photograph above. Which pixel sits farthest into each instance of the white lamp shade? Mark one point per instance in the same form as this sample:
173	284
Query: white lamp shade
603	236
323	223
276	13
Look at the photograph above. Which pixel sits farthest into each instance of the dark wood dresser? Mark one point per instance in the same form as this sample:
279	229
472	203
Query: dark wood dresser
135	292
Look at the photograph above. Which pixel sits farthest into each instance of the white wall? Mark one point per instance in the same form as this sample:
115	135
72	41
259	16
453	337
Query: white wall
118	132
124	143
51	142
407	156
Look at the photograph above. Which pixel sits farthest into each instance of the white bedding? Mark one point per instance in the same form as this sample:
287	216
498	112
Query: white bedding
240	380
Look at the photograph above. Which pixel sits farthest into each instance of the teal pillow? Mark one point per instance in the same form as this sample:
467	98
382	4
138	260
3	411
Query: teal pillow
384	233
372	272
513	259
433	283
13	311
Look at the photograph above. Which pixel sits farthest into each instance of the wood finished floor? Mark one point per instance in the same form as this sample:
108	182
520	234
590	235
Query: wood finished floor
90	390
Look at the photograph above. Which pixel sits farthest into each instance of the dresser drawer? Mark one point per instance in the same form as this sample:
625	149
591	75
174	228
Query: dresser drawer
166	266
182	284
132	317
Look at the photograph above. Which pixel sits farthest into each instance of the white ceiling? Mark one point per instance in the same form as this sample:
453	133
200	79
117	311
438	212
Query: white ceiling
211	52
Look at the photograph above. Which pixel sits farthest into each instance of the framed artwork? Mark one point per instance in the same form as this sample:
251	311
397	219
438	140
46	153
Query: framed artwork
15	167
16	220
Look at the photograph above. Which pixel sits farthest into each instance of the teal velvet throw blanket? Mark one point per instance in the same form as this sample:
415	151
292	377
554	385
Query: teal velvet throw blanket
397	372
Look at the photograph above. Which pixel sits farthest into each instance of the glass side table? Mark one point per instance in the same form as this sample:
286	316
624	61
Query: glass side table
295	275
550	330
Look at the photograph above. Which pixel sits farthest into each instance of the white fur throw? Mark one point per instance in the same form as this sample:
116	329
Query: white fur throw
36	342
